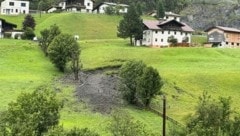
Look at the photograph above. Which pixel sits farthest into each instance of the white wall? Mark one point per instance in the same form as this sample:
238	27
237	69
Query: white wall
104	6
89	5
62	4
160	38
1	34
171	18
15	9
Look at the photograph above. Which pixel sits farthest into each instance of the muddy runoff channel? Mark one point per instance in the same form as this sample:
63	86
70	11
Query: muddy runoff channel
97	89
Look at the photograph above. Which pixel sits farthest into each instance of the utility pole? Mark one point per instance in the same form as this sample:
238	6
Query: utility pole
164	116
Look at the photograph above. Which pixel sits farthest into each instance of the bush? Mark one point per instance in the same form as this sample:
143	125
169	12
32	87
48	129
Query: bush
109	10
122	124
7	35
148	85
172	40
28	34
29	22
32	113
63	49
129	74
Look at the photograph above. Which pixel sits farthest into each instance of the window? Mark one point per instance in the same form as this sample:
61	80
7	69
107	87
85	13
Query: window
162	32
181	33
168	32
175	18
23	4
156	39
237	44
175	32
161	40
88	4
11	3
232	43
186	33
12	10
167	17
156	32
227	43
16	10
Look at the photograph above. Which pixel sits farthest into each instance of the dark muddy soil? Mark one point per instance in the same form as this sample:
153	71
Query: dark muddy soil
97	90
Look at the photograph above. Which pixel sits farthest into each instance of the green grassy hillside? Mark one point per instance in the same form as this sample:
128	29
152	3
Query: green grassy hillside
23	67
87	26
187	72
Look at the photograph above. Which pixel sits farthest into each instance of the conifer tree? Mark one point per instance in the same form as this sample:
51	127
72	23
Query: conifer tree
160	9
131	25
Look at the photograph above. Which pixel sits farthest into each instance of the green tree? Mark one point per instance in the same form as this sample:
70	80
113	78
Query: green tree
33	113
139	8
54	31
172	40
131	25
170	5
29	21
109	10
63	49
129	73
28	34
148	85
47	36
211	118
160	9
43	41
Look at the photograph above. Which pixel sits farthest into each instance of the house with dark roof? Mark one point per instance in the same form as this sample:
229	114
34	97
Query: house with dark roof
6	27
101	7
157	32
225	37
73	6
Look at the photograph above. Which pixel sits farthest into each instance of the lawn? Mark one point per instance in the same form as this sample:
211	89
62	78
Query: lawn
24	67
187	72
87	26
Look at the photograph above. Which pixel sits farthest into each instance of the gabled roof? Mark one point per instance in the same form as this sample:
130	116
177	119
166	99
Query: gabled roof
110	4
157	25
161	23
226	29
4	22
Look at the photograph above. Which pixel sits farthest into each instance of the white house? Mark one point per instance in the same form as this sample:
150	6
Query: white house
157	32
100	8
73	6
14	7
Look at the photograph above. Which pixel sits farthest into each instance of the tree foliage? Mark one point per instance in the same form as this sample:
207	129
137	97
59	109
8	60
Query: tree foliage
172	40
131	25
139	83
214	118
32	114
28	34
148	85
47	36
122	124
29	21
160	9
64	48
129	73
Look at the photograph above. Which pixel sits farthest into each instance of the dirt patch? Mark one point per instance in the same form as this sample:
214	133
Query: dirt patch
97	90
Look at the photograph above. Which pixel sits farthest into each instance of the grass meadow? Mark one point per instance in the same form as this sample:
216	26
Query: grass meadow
186	72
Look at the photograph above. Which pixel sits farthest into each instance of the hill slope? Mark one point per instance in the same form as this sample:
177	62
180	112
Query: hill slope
87	26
